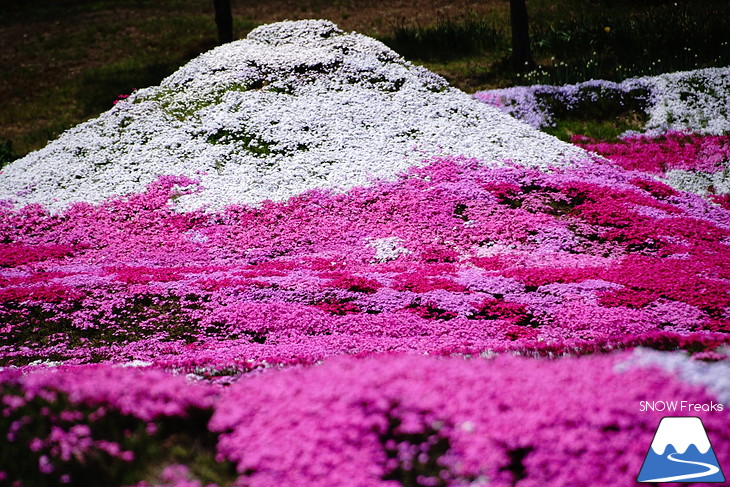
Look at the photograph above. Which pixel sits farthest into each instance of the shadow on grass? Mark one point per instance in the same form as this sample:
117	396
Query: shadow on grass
44	10
100	87
447	40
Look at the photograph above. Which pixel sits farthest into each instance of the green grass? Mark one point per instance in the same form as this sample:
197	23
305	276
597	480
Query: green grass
599	129
574	42
64	73
449	39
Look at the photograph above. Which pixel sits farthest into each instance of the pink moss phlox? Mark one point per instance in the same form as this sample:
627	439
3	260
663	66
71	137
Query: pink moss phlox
674	150
721	199
52	293
361	422
61	418
376	420
12	255
401	265
144	394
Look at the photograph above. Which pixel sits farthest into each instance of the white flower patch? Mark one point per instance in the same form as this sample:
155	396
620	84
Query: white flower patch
713	375
196	236
295	106
136	364
388	248
698	182
696	101
45	363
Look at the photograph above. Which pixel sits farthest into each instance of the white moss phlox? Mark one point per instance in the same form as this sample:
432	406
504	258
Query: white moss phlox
295	106
715	376
694	101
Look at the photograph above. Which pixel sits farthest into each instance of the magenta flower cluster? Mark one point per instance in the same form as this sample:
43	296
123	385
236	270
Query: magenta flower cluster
657	155
69	418
386	420
700	160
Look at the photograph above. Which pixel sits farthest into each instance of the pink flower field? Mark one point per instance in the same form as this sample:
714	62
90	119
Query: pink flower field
696	161
452	258
462	322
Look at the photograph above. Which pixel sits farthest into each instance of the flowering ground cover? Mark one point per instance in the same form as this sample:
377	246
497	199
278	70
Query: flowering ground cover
458	320
689	101
684	123
294	106
382	420
690	162
454	257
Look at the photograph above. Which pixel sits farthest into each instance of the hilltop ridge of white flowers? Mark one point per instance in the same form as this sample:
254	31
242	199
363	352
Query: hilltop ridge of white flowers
294	106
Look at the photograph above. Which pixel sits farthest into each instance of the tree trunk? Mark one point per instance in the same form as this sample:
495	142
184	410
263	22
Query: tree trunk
224	20
521	58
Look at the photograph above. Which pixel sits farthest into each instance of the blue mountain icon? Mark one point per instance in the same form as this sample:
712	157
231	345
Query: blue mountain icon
681	452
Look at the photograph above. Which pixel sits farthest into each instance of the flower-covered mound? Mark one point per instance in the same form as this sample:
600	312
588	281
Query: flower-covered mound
294	106
382	421
695	101
453	257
